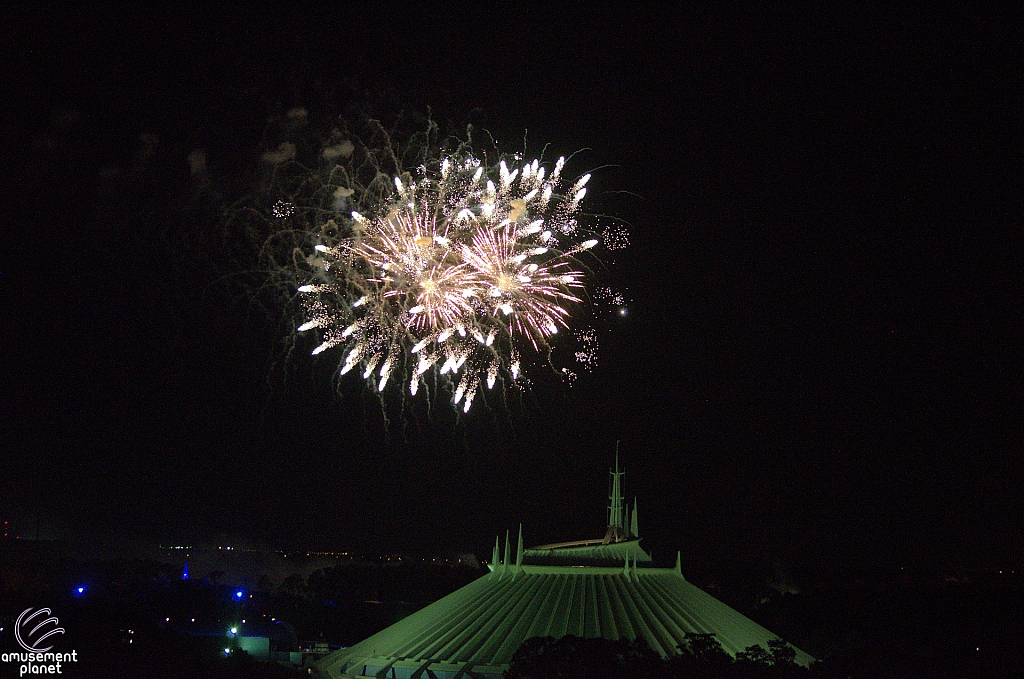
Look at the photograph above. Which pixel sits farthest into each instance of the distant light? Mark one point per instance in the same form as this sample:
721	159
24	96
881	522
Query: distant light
79	590
167	619
238	594
227	651
234	630
622	312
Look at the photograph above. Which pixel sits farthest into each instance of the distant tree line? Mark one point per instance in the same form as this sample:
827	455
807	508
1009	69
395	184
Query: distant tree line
700	656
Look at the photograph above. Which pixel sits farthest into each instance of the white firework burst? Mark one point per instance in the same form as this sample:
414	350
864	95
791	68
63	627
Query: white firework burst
463	270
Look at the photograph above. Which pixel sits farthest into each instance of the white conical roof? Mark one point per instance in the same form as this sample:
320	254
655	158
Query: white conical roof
475	630
587	588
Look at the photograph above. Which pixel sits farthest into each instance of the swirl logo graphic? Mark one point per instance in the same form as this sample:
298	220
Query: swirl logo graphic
42	629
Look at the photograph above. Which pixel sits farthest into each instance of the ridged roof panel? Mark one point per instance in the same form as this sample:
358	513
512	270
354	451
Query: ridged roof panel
482	624
587	554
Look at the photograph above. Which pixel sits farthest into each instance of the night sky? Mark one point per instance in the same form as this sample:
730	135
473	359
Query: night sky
817	366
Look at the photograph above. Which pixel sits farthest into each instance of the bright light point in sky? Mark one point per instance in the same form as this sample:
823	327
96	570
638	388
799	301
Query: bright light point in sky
622	312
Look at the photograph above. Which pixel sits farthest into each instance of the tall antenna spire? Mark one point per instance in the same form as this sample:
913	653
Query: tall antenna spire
616	528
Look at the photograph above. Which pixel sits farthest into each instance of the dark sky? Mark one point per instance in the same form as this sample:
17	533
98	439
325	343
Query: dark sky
818	363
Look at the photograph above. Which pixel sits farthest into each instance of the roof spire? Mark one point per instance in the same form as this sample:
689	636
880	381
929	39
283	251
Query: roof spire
503	563
495	558
616	528
519	549
634	528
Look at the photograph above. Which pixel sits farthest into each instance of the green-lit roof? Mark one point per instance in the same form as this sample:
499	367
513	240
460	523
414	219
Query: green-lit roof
551	590
587	553
475	630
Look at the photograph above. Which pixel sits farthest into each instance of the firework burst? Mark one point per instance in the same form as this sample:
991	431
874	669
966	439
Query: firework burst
463	270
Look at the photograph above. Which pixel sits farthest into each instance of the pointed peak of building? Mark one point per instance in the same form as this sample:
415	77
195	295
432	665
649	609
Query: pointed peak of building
618	522
495	557
634	527
519	548
615	508
504	559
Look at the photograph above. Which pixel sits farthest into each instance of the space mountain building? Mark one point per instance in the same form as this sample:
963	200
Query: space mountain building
588	588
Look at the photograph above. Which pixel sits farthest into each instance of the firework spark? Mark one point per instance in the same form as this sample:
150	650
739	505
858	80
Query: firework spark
615	237
463	271
610	297
587	355
283	209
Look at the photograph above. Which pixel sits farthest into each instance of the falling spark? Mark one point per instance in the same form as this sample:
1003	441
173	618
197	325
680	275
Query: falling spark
610	297
587	354
615	237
